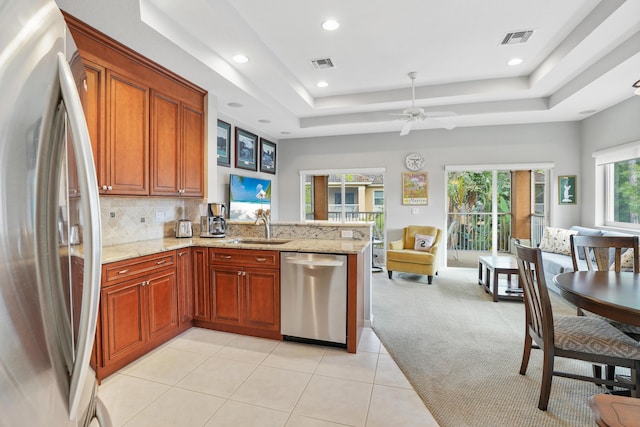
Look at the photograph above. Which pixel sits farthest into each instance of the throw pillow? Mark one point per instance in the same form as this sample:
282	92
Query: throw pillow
556	240
423	242
626	260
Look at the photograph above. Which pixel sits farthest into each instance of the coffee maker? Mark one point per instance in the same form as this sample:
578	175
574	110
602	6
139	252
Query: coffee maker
213	224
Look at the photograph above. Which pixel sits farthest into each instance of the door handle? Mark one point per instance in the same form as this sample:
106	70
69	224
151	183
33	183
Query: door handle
90	206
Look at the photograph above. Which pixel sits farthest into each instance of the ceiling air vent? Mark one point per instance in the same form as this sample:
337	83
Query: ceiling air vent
517	37
322	64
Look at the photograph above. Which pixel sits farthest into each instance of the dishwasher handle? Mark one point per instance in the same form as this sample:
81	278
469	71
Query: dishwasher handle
315	263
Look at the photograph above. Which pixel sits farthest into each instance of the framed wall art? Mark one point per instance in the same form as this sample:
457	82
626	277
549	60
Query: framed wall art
567	191
267	156
224	143
246	150
415	188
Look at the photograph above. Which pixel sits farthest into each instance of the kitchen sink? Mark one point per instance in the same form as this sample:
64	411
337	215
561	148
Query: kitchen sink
259	241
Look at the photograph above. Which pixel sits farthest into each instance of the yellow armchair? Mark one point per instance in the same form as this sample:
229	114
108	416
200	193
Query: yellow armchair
402	255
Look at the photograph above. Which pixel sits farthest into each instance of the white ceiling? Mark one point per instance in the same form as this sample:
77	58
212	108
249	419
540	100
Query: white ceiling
583	56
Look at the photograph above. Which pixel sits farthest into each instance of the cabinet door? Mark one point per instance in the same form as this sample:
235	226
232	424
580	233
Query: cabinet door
93	104
127	135
185	286
123	327
192	152
165	145
262	298
162	294
226	288
201	289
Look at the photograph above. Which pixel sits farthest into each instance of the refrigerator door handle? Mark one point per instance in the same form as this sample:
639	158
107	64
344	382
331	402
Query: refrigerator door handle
90	205
102	415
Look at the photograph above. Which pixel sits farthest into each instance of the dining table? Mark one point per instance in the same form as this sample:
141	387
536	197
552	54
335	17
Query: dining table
607	293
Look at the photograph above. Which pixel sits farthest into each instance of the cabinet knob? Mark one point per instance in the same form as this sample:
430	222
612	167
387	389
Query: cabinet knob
260	259
239	273
161	262
109	187
123	271
104	187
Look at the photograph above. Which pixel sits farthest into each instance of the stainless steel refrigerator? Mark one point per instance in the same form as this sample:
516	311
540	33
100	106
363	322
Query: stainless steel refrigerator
50	234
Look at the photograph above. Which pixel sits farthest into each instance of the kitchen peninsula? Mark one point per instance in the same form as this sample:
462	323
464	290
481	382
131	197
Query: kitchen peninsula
153	290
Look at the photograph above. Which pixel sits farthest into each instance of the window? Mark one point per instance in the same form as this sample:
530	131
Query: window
378	200
618	175
349	196
623	185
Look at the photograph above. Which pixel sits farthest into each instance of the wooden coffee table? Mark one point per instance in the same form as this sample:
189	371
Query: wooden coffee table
490	268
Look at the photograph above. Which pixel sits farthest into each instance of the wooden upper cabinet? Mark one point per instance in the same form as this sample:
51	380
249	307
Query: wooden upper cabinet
177	148
165	145
127	136
146	123
192	151
93	103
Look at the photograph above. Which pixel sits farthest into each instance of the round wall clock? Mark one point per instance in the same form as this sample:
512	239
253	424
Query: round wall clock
414	161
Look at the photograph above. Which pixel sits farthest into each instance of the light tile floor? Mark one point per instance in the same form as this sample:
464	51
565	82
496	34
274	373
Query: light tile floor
206	378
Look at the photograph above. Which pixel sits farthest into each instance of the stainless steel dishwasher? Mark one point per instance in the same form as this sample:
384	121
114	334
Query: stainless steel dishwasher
313	304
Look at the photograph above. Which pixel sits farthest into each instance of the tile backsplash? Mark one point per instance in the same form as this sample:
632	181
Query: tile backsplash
130	219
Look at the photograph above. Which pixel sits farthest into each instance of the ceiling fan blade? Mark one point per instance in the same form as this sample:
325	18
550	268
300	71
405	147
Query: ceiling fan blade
407	127
444	123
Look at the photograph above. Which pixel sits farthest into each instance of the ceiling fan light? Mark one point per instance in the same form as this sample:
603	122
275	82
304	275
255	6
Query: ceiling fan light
240	58
330	25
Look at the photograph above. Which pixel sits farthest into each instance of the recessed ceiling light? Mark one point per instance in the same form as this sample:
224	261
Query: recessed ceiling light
322	83
330	25
241	59
515	61
264	121
234	104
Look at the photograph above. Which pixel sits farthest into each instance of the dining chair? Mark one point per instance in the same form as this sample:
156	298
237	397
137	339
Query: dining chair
589	339
606	253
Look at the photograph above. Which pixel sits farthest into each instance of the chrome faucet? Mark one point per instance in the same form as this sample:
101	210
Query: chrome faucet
264	216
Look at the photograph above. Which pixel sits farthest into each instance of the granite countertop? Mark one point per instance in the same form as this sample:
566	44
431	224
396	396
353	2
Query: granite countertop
146	247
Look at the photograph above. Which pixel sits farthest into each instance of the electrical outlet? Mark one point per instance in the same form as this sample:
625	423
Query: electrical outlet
159	216
347	234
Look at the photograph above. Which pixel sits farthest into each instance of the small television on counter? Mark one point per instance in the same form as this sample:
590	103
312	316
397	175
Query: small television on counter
247	195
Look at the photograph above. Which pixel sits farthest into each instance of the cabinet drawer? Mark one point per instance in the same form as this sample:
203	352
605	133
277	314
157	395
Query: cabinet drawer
244	257
116	271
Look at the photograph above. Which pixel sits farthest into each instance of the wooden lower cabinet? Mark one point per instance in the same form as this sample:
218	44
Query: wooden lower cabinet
139	312
201	294
243	291
184	271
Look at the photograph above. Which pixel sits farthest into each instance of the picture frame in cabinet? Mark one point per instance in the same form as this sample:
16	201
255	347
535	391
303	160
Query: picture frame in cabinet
267	156
224	144
246	150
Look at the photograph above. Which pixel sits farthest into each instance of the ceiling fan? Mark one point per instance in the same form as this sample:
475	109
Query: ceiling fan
415	114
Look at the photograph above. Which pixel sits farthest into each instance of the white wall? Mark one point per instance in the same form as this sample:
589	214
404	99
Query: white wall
550	142
614	126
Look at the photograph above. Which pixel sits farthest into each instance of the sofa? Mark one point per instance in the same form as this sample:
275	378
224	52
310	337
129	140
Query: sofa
556	252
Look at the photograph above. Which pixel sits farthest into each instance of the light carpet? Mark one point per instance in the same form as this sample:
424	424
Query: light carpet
462	352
